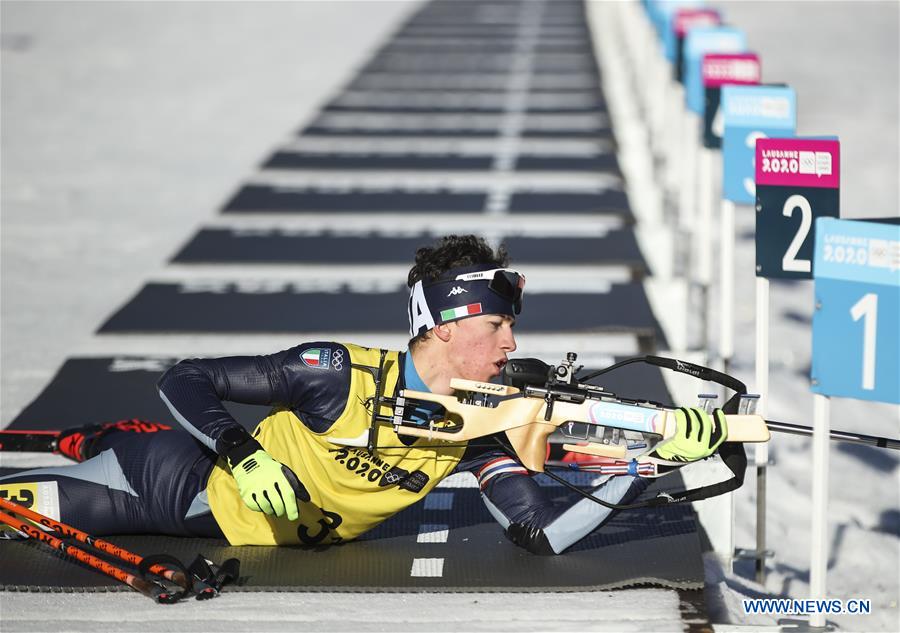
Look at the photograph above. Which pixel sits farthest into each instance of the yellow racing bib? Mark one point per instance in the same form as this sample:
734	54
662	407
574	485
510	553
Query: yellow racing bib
351	490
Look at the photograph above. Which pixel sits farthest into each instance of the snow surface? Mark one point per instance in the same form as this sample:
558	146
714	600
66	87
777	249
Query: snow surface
125	125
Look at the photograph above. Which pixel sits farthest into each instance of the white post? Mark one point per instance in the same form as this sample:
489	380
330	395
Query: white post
687	158
819	539
703	244
675	133
726	283
762	448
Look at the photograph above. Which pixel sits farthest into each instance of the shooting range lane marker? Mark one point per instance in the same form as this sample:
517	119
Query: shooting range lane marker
439	501
427	567
433	533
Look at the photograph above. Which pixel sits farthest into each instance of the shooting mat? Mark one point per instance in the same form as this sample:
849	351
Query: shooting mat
262	198
447	542
449	162
223	245
288	307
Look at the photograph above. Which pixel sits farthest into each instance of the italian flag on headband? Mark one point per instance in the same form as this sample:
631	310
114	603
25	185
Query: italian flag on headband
460	312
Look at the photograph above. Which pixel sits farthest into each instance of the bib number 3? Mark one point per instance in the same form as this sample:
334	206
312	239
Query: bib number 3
329	521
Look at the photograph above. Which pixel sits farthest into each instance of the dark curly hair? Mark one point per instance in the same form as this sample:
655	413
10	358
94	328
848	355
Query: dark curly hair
452	251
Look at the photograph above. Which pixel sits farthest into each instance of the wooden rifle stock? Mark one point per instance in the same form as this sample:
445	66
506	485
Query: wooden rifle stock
528	425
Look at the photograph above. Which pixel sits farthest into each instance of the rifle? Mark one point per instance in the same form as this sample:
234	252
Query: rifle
538	400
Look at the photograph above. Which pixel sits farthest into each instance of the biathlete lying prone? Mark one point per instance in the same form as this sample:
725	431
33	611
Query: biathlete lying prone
301	476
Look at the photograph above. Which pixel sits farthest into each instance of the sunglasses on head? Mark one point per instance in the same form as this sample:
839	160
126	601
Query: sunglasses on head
506	282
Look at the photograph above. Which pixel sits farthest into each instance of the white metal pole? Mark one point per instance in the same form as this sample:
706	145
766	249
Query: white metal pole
703	245
687	158
674	130
819	532
762	448
726	283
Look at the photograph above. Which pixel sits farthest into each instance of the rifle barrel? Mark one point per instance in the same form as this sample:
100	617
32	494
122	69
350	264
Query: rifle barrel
841	436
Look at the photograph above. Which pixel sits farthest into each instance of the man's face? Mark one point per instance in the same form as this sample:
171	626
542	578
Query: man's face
479	346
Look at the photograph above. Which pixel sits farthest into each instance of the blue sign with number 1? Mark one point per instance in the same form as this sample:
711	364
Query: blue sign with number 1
856	324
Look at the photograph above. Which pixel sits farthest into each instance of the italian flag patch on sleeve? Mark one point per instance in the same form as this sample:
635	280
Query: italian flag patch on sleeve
316	357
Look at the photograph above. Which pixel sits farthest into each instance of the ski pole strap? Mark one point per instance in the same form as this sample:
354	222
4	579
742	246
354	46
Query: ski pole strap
209	578
149	567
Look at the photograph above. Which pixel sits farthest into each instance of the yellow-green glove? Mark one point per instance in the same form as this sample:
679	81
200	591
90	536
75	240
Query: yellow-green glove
698	435
265	485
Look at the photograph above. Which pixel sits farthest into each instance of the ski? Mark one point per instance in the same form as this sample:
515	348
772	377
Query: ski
69	441
29	441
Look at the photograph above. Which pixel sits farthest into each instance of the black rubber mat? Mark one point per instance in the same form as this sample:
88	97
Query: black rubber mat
474	109
581	125
444	162
464	101
593	163
639	547
449	162
450	64
431	45
610	201
327	130
248	246
460	27
281	307
269	199
406	97
91	390
576	32
274	199
598	132
488	83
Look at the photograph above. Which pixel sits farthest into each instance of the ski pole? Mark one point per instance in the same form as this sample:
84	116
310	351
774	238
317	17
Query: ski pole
840	436
149	589
174	576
